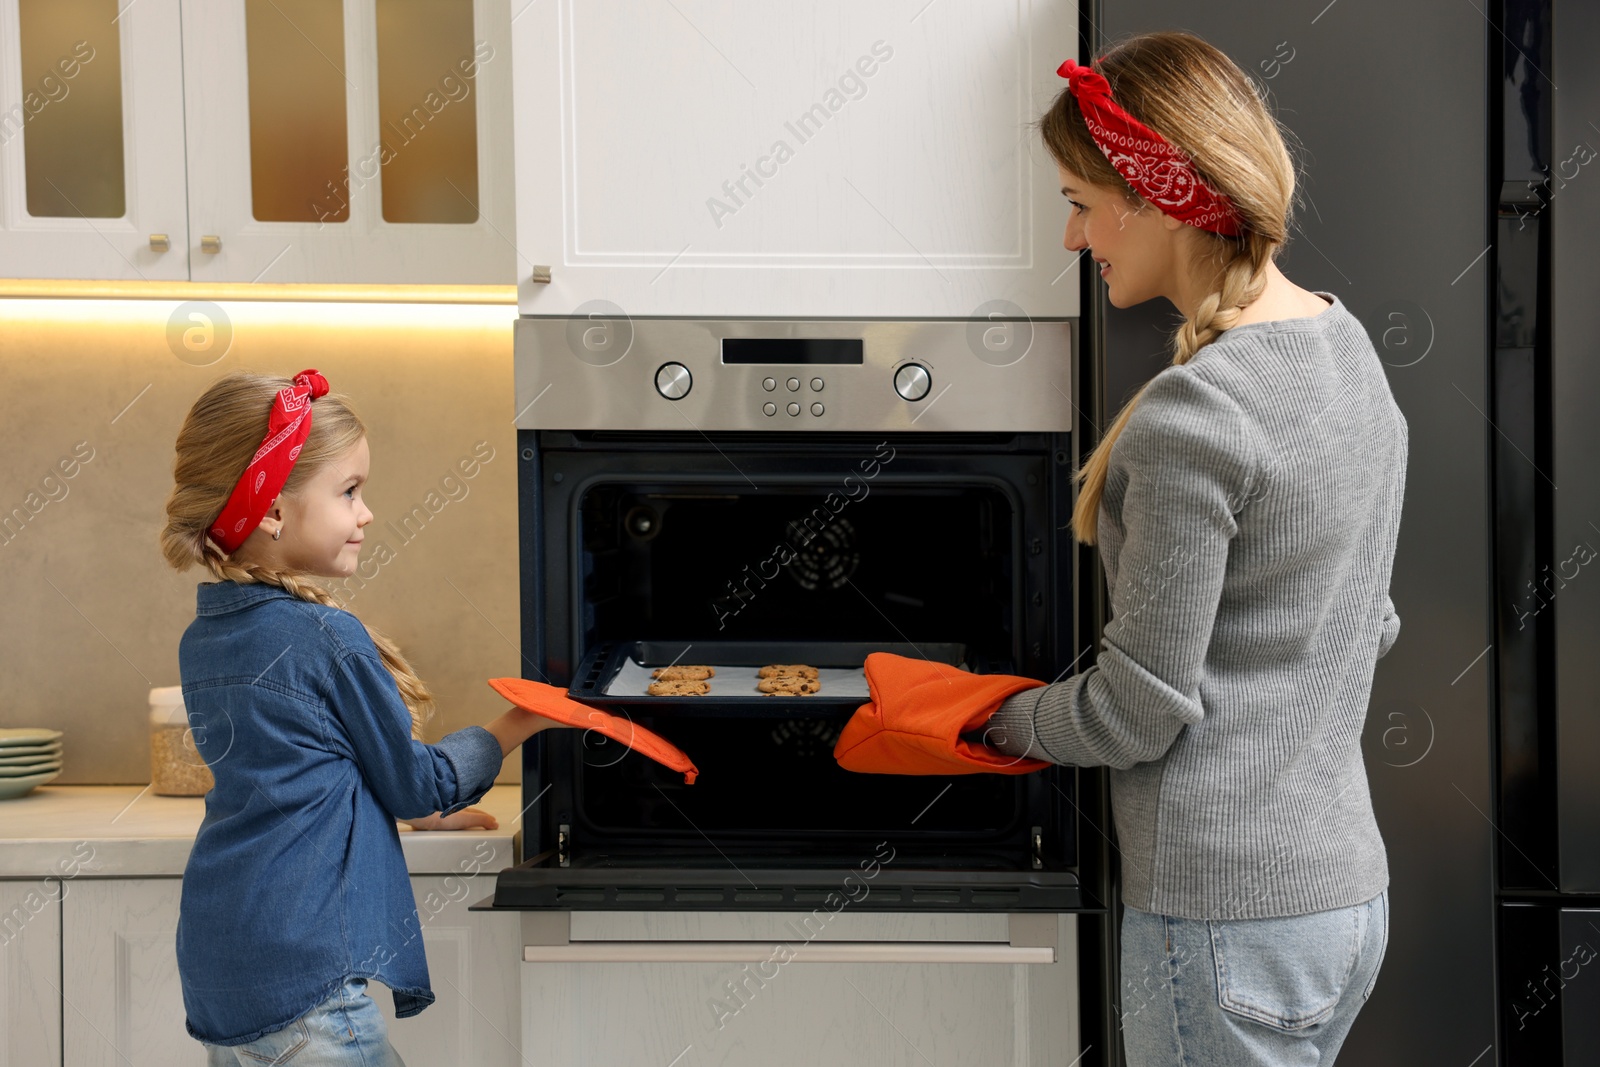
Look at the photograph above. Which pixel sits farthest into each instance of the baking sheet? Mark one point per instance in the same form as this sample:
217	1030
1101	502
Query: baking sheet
633	679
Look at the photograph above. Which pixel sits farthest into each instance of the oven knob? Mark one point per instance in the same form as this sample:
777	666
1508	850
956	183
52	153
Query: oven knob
912	381
673	381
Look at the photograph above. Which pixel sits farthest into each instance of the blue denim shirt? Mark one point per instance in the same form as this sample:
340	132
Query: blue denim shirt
297	881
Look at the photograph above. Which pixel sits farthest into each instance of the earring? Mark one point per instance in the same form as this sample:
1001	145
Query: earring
277	533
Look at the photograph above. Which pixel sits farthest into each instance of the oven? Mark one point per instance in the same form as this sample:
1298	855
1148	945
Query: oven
739	493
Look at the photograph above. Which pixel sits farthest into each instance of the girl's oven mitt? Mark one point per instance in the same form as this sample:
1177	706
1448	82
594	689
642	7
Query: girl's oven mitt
553	703
918	713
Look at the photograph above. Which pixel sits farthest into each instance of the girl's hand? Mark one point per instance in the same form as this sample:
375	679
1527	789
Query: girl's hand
465	819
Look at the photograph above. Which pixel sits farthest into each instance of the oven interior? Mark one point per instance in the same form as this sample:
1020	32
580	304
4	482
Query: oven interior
925	563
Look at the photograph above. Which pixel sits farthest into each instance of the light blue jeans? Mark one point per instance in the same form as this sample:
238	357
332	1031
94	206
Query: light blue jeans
346	1030
1247	992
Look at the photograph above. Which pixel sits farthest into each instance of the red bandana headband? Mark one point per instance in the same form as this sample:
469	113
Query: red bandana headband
287	426
1158	171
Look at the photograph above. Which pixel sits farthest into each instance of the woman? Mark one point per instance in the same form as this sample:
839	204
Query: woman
1246	503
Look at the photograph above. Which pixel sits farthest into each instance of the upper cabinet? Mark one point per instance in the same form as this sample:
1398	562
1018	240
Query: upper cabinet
353	141
822	159
91	140
334	141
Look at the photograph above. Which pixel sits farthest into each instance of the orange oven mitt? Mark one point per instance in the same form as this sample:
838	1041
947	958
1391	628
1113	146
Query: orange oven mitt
553	703
918	713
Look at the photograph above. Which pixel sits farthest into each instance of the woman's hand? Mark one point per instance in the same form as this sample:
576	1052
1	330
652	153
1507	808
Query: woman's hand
465	819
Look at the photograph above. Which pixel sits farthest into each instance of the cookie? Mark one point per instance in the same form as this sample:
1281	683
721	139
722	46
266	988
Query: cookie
788	686
683	673
783	670
682	687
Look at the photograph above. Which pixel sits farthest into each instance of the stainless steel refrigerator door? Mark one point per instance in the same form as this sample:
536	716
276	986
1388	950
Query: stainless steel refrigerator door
1391	104
1574	593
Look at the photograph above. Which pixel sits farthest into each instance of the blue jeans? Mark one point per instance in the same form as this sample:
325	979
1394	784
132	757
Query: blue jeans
1247	992
346	1030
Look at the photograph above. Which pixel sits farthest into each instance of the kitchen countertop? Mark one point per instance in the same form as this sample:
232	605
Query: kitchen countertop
126	831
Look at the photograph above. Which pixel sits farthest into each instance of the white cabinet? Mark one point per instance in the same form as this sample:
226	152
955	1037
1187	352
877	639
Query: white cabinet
782	990
124	1003
119	975
823	159
91	140
356	142
30	972
473	968
373	147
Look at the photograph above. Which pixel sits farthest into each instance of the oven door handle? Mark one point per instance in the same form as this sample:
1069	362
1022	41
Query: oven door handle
809	952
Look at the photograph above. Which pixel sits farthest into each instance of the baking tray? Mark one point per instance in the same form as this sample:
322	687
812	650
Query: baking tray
617	673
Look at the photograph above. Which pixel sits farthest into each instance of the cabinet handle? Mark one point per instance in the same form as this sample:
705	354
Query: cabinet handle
813	952
159	242
541	273
211	243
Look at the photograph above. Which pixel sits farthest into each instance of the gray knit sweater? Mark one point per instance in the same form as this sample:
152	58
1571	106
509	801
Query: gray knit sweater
1248	531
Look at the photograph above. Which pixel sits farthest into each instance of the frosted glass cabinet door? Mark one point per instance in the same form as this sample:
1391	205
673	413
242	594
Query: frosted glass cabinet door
349	141
830	158
91	140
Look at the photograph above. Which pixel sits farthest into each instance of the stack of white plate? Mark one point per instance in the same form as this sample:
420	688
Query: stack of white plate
29	756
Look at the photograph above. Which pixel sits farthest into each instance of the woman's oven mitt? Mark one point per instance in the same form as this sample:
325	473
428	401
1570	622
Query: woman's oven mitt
553	703
918	713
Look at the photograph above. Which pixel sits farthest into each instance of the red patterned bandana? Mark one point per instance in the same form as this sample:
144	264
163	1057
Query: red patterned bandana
1158	171
287	426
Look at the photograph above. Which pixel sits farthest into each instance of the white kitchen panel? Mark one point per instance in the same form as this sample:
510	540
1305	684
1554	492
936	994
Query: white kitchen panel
30	972
711	158
781	1011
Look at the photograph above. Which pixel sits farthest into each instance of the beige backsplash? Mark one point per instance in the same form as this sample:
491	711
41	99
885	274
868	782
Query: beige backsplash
92	614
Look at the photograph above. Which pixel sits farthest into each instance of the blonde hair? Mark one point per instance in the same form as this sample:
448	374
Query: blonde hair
218	438
1194	96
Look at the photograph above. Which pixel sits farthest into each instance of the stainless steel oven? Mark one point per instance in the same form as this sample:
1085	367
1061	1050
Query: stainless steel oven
737	493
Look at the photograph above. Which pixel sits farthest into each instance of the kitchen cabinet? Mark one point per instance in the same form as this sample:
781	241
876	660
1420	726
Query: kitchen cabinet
361	141
630	990
30	972
92	140
124	1002
365	141
828	159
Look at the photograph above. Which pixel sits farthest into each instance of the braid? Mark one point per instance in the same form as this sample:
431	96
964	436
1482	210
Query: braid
1241	282
413	690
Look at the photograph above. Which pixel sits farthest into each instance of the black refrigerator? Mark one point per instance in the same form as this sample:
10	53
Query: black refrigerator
1452	200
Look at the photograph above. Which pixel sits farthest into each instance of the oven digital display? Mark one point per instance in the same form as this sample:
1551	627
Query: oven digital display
793	351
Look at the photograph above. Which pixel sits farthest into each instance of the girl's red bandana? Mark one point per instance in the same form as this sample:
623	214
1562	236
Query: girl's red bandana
1158	171
287	426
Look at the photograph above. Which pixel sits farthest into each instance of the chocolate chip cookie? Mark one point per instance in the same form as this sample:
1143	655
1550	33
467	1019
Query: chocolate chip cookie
679	687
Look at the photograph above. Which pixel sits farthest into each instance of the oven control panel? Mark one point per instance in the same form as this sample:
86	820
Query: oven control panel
617	373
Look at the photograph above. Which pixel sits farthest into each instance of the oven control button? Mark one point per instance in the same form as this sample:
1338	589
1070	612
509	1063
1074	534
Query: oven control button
816	409
768	384
794	409
673	381
793	384
816	385
770	408
912	381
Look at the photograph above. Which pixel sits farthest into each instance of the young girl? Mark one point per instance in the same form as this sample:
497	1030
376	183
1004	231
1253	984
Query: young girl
296	892
1246	502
